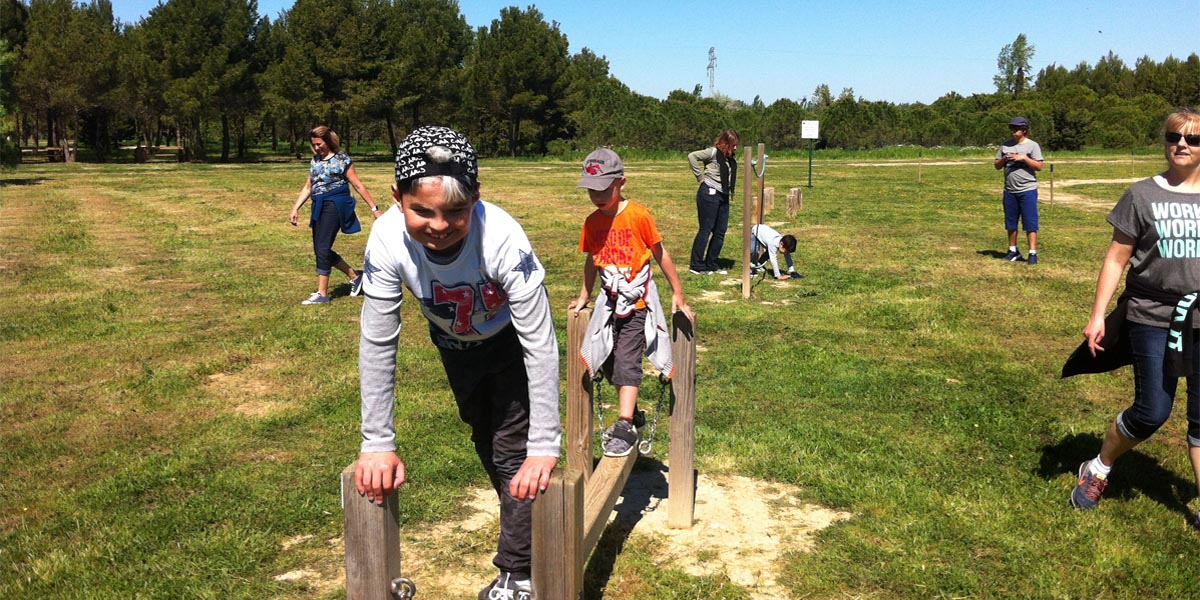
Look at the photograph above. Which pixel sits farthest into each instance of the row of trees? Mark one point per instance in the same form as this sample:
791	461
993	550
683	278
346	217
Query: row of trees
201	72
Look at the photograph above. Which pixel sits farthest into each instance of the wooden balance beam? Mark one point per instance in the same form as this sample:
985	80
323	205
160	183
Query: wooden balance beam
569	517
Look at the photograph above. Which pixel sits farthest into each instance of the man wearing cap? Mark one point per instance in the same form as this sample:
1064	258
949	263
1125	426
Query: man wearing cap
1021	159
473	274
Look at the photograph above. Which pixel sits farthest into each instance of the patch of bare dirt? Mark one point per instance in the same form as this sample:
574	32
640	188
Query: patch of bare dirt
1083	201
742	528
252	390
715	297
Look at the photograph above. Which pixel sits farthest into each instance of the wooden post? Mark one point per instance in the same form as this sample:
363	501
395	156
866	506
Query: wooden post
372	542
762	183
1051	183
558	551
747	220
795	201
768	201
681	482
580	418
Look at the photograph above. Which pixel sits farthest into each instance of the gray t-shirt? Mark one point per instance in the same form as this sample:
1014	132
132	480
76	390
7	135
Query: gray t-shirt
1166	227
1018	176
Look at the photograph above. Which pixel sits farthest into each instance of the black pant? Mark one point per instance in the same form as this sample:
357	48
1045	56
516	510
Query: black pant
492	391
760	258
324	231
712	211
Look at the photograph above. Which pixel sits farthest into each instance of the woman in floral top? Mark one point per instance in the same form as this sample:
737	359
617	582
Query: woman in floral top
330	175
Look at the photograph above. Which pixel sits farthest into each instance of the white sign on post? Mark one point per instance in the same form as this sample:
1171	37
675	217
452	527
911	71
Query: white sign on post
808	130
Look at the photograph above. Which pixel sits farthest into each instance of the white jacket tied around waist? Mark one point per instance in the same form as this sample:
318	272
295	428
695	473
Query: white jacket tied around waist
620	300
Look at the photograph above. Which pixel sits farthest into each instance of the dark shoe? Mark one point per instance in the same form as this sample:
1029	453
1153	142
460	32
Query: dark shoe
506	586
620	439
356	285
1013	255
1033	258
1086	494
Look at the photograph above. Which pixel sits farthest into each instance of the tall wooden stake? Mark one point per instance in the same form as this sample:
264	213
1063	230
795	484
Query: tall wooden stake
747	220
558	552
580	417
681	481
372	539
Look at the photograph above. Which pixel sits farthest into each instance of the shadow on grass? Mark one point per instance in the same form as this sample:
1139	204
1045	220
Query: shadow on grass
651	491
340	291
29	181
1134	473
995	254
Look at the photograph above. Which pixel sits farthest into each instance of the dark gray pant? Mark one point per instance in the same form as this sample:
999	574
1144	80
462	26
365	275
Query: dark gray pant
492	391
712	212
324	232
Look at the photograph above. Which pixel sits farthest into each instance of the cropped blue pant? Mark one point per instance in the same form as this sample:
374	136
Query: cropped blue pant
1154	391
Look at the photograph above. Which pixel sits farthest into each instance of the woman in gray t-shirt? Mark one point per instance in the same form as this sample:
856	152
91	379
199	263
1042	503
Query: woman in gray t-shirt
1156	232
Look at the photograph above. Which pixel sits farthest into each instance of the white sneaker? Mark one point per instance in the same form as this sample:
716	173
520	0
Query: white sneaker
316	298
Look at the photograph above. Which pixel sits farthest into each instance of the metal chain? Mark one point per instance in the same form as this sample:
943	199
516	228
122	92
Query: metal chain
647	445
403	588
596	391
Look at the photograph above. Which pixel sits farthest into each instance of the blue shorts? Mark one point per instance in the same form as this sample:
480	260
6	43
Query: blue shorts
1023	205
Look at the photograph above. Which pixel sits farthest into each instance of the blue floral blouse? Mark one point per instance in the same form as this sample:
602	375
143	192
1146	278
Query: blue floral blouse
329	174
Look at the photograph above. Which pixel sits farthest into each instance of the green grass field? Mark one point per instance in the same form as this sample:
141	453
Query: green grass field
170	416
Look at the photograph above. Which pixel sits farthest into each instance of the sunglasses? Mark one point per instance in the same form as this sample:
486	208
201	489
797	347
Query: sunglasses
1192	139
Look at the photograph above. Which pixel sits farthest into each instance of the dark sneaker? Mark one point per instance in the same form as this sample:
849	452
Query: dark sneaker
356	285
1033	258
316	298
507	587
794	275
620	439
1013	255
1088	489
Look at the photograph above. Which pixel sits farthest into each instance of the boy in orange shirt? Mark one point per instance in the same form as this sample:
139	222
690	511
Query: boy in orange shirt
620	238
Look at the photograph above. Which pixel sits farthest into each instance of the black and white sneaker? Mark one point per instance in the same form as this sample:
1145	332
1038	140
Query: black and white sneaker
508	586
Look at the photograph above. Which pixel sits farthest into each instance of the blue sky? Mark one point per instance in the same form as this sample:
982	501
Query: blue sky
897	51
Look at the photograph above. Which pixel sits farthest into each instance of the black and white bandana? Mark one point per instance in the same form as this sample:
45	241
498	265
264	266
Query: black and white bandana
413	161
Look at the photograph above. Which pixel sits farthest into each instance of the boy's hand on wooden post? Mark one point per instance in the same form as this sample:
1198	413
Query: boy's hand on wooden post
679	304
378	474
532	477
577	305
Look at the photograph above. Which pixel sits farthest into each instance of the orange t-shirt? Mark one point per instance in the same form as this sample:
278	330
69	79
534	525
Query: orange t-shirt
623	240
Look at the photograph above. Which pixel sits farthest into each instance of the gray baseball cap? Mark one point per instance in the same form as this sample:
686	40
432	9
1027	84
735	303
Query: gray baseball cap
600	169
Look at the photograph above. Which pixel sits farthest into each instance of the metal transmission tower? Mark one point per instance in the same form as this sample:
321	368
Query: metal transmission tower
712	71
